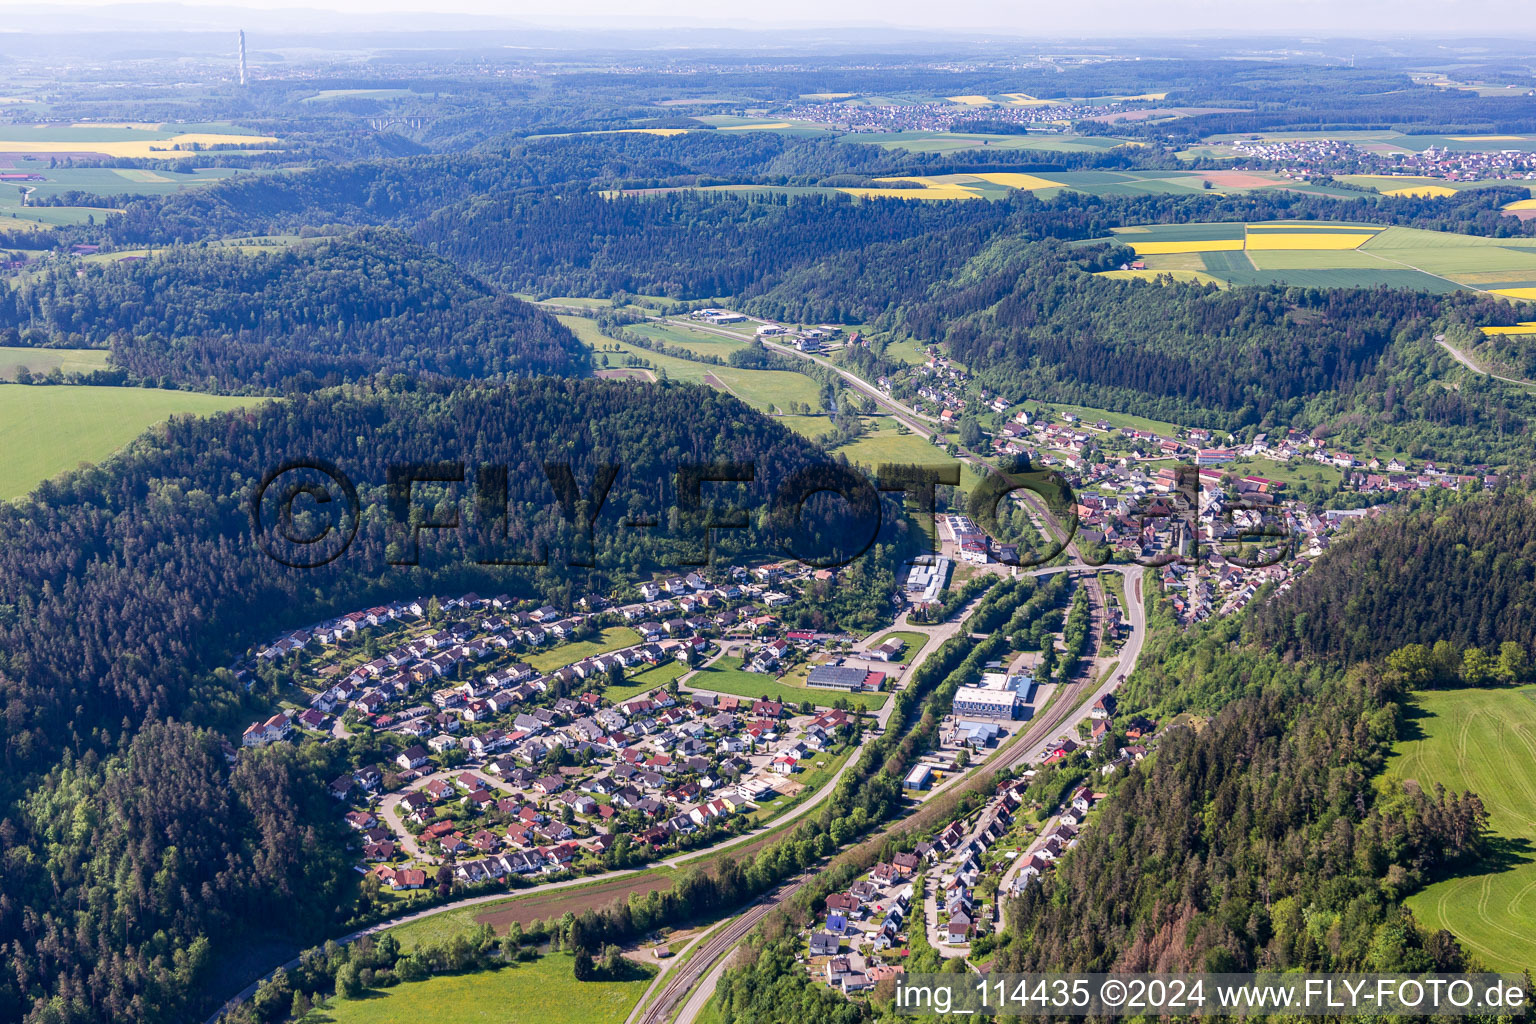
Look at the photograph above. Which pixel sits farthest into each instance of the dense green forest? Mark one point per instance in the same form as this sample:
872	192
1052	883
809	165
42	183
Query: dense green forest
125	588
299	318
1459	571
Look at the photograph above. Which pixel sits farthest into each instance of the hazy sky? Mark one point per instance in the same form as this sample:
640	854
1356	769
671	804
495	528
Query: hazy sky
1078	18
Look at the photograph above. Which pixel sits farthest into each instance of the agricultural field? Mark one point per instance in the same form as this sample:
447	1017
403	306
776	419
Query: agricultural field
39	361
159	141
19	199
1410	185
1339	256
885	444
768	390
1185	276
731	122
45	430
1048	184
697	342
542	904
1483	741
727	676
544	991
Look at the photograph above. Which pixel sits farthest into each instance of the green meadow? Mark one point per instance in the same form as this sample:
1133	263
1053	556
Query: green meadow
1483	741
767	390
544	991
45	430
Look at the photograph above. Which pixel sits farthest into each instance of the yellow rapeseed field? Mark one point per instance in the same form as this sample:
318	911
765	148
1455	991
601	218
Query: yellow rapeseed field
1210	245
1517	293
155	148
1521	204
930	192
1305	240
970	101
1028	182
1421	191
1528	327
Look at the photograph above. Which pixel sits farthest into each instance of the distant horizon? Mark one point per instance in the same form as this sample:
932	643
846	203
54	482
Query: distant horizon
1490	22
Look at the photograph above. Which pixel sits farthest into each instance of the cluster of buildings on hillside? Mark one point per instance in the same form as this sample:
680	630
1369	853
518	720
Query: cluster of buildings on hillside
864	931
558	770
1130	499
1336	156
670	768
944	116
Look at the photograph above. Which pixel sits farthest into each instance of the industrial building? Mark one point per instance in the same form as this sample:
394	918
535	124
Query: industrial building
997	696
918	778
926	582
836	677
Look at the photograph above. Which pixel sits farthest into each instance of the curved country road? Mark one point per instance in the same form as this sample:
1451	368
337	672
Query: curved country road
1465	360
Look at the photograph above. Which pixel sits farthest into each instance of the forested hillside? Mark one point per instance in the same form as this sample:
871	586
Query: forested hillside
1462	572
298	318
124	588
1253	841
684	244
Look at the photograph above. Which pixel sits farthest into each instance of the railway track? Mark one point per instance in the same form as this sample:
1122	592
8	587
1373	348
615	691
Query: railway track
665	1004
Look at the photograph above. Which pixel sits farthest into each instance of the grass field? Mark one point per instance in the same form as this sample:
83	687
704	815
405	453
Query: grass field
914	641
727	676
111	181
542	992
767	390
645	681
1404	184
697	342
886	445
45	430
612	639
1483	741
41	360
1187	276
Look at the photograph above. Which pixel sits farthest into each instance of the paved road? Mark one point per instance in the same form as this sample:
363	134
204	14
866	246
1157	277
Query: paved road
679	860
1060	718
1464	360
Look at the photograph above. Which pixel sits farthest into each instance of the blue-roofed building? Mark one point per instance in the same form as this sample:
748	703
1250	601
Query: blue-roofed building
979	734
